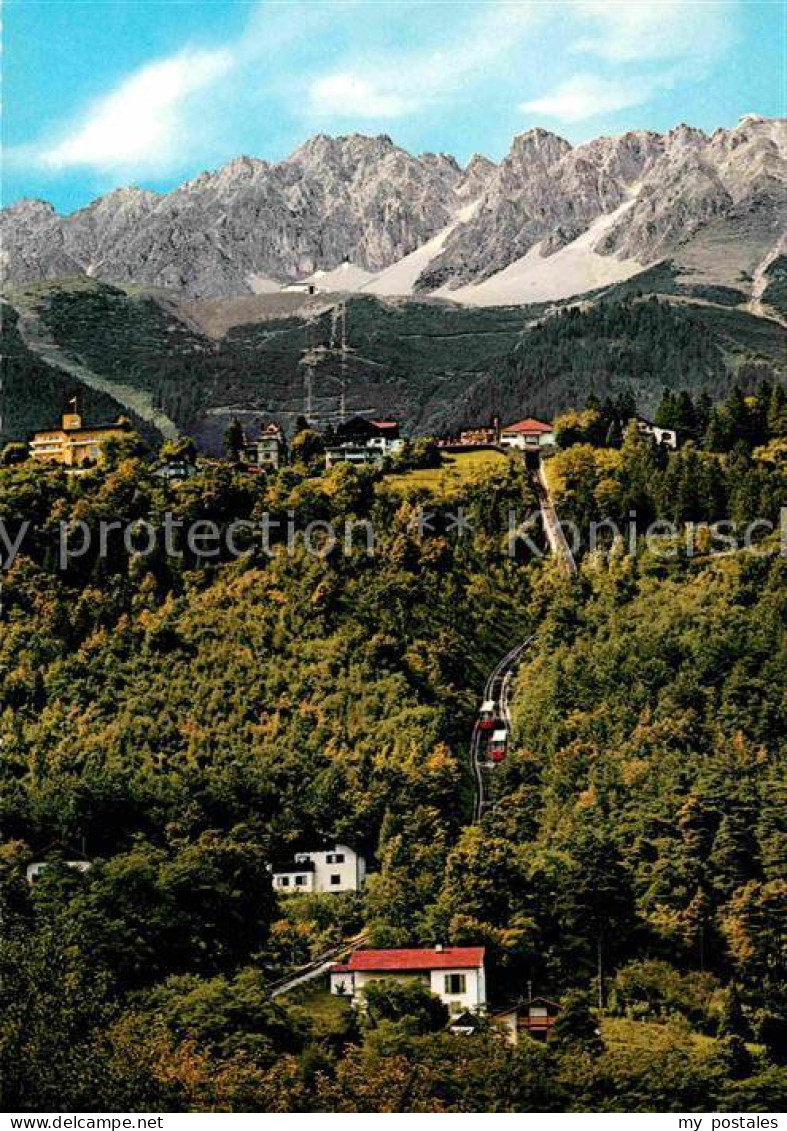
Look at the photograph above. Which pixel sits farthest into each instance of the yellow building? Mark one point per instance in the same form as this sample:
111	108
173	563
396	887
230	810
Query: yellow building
74	444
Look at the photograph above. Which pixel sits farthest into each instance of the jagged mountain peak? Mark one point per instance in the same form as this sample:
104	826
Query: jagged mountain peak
537	144
356	145
624	157
441	161
364	198
479	161
475	178
244	166
30	206
131	197
683	134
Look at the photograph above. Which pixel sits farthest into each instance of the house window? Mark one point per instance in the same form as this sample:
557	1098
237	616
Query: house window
455	983
300	881
284	881
334	858
336	880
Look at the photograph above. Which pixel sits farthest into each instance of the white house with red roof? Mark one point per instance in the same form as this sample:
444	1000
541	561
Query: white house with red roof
527	434
455	974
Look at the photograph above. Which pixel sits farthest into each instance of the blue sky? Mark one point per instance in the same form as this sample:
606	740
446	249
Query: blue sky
103	93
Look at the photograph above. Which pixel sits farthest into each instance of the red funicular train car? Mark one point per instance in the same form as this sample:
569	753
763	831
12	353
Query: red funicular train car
498	745
486	716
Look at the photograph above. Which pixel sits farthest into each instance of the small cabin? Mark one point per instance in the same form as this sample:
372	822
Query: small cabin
534	1017
175	470
465	1024
454	974
299	288
35	870
527	434
666	436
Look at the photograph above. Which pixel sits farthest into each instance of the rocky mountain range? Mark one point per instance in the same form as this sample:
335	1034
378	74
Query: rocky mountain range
715	205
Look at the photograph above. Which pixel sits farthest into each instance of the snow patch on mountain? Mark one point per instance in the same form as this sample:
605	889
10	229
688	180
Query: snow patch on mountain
573	270
400	278
346	277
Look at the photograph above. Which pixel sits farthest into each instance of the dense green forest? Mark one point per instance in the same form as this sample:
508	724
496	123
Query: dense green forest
628	343
183	720
730	465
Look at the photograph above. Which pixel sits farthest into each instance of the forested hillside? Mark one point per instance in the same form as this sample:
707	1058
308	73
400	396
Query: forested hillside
34	393
409	360
433	365
184	720
729	466
633	343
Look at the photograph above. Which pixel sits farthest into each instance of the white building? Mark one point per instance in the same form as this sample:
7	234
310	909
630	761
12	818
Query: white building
386	445
454	974
527	434
34	870
666	436
357	454
175	470
299	288
328	870
361	441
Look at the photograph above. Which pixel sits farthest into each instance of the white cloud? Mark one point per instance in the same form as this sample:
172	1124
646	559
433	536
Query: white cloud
497	38
201	104
586	96
398	81
635	30
667	40
350	96
174	111
138	124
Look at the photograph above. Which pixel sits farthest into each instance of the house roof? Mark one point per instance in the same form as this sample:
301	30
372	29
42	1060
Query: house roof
517	1007
385	423
67	850
291	866
466	1021
529	425
58	429
426	958
325	846
651	424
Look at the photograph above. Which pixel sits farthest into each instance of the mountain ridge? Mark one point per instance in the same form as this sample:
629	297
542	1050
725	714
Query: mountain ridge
366	200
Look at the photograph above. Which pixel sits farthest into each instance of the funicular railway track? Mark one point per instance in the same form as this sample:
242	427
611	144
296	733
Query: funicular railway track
498	685
497	692
318	966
